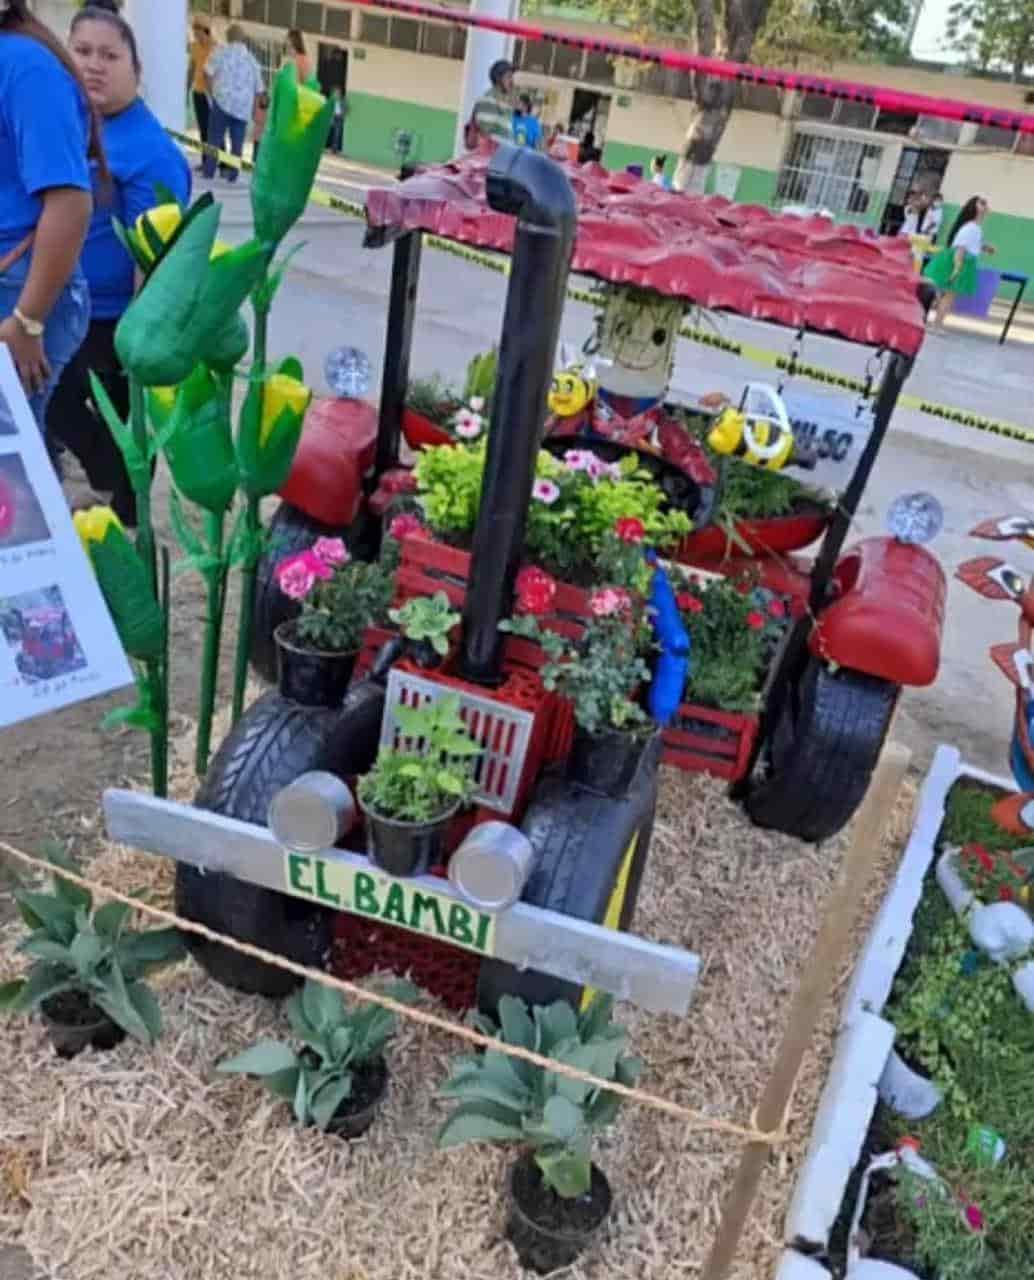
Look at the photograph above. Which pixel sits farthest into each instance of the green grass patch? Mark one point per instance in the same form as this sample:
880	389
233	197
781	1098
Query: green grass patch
967	819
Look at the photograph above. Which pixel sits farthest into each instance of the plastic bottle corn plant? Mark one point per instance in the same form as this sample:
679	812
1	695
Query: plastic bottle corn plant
183	343
558	1196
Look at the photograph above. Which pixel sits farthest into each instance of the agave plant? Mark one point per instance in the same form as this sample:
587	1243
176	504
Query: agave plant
89	953
505	1099
337	1042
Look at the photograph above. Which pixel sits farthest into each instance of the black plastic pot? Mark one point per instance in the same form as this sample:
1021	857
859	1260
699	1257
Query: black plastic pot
406	848
607	761
423	653
357	1113
311	677
548	1231
74	1023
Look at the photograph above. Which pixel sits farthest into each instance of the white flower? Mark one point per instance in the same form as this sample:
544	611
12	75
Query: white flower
467	424
477	403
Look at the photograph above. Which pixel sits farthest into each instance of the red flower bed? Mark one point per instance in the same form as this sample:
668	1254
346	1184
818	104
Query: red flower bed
705	740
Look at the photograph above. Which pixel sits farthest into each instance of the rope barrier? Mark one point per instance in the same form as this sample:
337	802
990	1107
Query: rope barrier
500	263
694	1119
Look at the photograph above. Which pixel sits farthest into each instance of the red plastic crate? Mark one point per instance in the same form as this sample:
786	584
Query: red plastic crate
706	740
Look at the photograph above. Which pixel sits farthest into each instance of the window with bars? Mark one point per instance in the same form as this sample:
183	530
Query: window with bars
269	54
823	172
533	55
373	28
281	13
309	17
339	22
1001	139
254	10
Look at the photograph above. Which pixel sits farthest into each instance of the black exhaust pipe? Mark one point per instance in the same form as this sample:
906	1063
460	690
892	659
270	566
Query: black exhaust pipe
529	185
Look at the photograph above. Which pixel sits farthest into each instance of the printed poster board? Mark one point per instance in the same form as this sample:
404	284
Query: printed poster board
58	645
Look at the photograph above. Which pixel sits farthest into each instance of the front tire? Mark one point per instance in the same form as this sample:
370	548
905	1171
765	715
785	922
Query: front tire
822	752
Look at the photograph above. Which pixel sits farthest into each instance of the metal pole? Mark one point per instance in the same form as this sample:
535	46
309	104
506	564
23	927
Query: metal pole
528	184
405	276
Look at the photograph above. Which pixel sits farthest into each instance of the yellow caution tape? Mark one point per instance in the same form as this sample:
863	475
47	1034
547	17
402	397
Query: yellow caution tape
759	355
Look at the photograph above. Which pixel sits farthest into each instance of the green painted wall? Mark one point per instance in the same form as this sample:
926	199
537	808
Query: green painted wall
372	121
756	186
619	155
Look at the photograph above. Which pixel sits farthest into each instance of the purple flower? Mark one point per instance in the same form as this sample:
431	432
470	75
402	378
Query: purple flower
545	491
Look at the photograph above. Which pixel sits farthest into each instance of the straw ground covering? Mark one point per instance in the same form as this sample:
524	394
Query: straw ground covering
141	1163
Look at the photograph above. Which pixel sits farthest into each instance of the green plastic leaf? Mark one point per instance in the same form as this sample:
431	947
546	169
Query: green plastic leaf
110	919
127	592
51	913
291	367
266	1058
186	535
138	716
129	242
120	432
326	1100
479	1122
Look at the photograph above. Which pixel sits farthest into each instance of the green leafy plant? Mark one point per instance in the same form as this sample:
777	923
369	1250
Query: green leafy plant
427	618
77	950
482	372
602	671
337	1042
944	1008
504	1099
944	1240
423	782
433	398
340	597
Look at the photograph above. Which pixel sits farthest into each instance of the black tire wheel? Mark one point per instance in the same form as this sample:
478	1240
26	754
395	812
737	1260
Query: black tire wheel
582	841
823	750
290	531
274	742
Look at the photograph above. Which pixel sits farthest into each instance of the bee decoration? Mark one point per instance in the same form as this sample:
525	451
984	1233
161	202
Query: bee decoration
572	391
764	439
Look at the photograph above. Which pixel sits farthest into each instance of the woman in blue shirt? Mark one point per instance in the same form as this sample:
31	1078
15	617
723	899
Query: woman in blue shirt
46	133
140	155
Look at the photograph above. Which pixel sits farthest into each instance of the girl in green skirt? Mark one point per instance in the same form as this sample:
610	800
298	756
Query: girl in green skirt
954	269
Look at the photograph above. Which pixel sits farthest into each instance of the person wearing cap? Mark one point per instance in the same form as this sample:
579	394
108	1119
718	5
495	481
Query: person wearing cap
492	116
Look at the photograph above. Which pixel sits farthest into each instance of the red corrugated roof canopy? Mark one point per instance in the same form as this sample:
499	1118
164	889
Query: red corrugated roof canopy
801	272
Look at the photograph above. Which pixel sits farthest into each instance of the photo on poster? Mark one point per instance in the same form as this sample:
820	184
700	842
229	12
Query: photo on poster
8	426
21	516
36	627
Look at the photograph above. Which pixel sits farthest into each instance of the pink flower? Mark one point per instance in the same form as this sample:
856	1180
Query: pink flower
331	551
535	590
689	603
545	491
316	565
629	529
294	578
974	1218
755	620
467	425
477	403
406	526
608	601
580	460
776	609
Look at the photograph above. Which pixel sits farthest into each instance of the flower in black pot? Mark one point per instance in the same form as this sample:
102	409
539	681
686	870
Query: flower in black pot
411	793
601	674
87	975
426	621
338	1078
340	598
558	1197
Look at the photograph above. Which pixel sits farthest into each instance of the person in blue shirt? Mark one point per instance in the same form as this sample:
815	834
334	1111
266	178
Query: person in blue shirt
46	136
527	132
140	157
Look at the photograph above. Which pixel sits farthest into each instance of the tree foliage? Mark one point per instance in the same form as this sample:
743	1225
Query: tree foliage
993	33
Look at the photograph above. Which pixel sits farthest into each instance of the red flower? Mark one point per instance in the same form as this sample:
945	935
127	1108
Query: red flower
689	603
776	609
744	587
755	620
974	1218
535	590
629	529
406	526
1005	894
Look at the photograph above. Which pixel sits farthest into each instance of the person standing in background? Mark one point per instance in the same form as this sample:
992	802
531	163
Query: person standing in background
492	116
258	123
336	140
527	132
140	156
657	175
201	50
954	269
298	54
47	135
235	81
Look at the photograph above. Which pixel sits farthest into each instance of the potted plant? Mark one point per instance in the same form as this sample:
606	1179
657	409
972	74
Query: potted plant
559	1198
86	979
339	1078
600	673
411	793
340	598
425	622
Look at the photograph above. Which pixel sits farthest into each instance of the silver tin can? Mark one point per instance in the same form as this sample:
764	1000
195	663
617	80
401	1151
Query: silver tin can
312	813
491	867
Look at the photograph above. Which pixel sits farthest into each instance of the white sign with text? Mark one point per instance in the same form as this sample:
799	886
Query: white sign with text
58	644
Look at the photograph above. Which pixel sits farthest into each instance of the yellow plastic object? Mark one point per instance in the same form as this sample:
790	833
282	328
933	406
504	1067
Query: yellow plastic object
755	440
570	393
615	906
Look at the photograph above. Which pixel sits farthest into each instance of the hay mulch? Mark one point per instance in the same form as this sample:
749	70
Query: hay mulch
144	1163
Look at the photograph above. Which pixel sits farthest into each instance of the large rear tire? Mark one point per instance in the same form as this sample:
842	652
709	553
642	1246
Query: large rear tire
290	531
274	742
820	759
591	854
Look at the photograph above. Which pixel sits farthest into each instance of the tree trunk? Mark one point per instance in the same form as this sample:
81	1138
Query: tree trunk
714	98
